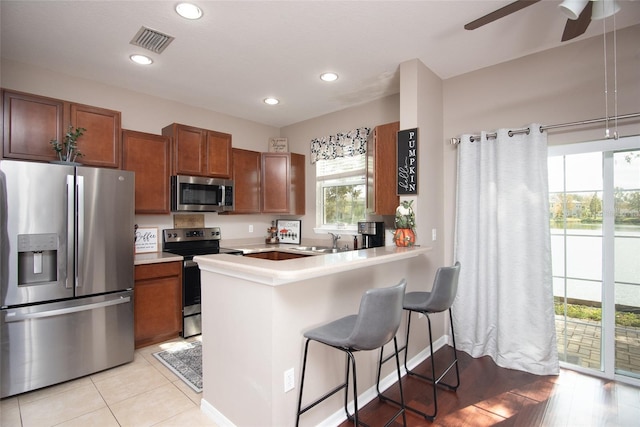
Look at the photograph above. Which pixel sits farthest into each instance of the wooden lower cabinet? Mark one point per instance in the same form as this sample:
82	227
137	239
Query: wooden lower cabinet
157	302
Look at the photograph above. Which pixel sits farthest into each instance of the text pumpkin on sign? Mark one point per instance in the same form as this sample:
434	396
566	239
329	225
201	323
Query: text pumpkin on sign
407	149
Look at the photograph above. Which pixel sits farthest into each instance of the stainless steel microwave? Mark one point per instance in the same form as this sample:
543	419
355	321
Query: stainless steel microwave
200	194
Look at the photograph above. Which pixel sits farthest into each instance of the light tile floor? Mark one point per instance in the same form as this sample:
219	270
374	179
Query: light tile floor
141	393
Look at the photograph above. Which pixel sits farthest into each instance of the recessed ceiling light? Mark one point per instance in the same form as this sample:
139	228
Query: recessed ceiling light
141	59
271	101
329	77
189	11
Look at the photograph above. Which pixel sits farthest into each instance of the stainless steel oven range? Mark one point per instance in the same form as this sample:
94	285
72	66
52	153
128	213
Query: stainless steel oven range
190	242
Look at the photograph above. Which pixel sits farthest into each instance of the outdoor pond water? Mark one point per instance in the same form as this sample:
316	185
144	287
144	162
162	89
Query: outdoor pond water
583	263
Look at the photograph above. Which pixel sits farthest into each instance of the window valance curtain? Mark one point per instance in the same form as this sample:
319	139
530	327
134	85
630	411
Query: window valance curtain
345	144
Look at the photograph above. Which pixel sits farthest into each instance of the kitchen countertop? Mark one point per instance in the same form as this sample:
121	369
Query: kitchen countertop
276	273
155	257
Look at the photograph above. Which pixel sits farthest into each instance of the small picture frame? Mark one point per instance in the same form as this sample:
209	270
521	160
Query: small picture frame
146	240
289	230
278	145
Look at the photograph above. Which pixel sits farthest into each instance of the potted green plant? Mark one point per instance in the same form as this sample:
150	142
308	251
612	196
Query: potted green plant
67	150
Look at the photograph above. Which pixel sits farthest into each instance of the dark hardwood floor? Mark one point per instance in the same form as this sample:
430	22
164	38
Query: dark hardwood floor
490	396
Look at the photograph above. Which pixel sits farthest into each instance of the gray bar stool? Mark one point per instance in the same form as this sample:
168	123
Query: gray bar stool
375	325
445	287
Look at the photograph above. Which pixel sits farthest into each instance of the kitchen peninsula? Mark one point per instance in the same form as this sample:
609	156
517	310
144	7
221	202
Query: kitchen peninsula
255	312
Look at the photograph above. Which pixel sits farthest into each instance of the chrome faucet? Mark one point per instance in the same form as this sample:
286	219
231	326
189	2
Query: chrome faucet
334	238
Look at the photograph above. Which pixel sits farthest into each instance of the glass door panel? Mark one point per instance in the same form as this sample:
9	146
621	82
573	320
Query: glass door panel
626	178
575	196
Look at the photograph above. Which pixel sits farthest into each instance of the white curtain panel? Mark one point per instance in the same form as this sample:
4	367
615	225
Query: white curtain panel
504	305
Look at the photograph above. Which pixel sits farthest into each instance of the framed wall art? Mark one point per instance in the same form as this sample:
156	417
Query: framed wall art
289	230
278	145
146	240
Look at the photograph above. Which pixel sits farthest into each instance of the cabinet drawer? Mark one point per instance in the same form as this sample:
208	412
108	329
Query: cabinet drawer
158	270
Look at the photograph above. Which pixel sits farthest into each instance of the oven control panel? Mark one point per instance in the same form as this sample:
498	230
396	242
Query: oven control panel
191	234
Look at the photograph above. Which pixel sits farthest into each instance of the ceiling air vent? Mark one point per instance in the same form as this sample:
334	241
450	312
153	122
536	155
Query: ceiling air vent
151	40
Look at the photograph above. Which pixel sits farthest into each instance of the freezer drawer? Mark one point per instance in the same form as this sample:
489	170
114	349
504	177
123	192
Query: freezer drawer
51	343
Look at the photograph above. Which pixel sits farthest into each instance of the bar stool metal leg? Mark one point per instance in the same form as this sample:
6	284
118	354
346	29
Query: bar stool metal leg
438	300
376	323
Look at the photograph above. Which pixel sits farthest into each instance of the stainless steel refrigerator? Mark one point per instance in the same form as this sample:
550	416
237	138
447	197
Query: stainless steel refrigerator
66	254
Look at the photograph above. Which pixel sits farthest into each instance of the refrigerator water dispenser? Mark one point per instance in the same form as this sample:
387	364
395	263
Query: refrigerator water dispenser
37	259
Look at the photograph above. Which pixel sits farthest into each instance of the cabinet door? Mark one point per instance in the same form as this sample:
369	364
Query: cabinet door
276	183
188	151
100	144
157	302
382	198
30	122
148	156
218	154
298	182
246	181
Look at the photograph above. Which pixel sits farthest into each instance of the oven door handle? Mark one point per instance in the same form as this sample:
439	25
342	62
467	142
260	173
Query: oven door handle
190	263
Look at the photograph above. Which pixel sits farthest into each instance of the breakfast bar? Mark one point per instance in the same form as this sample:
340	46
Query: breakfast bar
255	311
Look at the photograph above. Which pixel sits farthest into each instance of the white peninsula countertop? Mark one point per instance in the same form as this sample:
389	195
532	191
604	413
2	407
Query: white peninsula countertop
255	312
269	272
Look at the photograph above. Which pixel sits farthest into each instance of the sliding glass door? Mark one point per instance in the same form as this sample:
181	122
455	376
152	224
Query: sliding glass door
594	199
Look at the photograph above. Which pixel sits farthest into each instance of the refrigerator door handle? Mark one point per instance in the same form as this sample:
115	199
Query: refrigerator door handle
80	232
68	279
18	315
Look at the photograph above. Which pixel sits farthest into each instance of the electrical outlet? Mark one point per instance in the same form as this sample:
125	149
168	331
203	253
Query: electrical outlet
289	380
251	228
433	234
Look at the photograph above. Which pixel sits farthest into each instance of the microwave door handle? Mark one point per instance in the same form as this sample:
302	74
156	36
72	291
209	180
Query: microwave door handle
80	232
70	231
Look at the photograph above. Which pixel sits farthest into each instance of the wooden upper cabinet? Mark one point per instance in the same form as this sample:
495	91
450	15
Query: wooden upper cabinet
199	152
283	183
100	144
246	180
187	149
219	154
149	157
382	197
31	121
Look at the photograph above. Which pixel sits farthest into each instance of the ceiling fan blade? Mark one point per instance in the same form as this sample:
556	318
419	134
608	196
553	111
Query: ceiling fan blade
500	13
575	28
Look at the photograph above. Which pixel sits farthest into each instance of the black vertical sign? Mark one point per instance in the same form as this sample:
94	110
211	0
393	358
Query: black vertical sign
407	161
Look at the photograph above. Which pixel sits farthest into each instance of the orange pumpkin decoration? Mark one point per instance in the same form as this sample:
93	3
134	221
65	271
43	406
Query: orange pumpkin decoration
404	237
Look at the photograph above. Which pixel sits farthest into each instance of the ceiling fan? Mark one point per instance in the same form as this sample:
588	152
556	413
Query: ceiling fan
579	14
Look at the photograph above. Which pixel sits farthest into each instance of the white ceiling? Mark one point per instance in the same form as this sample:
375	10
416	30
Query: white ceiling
243	51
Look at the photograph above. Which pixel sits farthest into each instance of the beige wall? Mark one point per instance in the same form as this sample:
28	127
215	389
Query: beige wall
299	136
561	85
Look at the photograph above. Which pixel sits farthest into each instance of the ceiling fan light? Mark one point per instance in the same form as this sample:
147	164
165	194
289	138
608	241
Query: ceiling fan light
573	8
604	9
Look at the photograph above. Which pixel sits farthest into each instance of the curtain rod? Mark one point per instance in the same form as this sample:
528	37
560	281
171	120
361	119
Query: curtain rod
456	141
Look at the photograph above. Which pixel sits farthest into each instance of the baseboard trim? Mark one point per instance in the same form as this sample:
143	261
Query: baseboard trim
213	414
339	416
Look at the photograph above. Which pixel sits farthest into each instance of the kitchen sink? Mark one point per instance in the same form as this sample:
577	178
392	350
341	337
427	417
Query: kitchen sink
318	249
275	255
